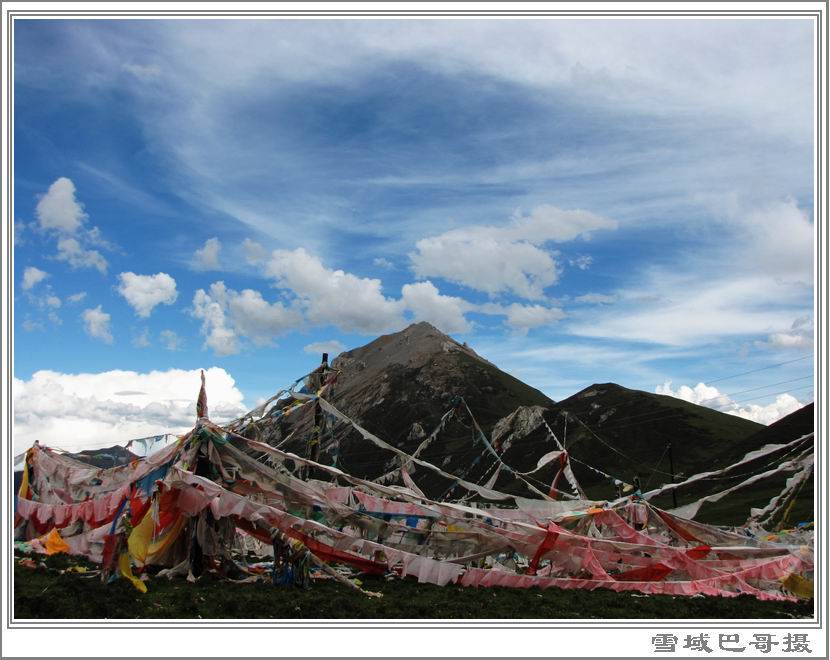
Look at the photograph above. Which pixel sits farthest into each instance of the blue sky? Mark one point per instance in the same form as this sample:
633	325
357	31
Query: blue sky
581	201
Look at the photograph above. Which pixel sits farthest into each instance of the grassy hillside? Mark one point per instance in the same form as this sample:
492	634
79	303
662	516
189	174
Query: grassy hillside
45	593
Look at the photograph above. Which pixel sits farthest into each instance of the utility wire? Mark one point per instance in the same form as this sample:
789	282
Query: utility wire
771	366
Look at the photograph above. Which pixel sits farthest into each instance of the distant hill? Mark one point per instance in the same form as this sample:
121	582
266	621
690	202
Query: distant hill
105	458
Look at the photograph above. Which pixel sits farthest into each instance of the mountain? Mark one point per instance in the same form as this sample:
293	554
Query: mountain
105	458
734	509
399	386
626	433
405	378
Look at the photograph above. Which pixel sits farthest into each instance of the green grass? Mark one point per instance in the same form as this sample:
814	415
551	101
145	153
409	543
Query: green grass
46	593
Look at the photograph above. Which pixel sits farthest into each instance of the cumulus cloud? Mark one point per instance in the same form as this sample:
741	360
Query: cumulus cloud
426	304
254	252
783	405
210	308
334	297
144	292
59	210
258	319
711	397
97	324
485	264
89	410
207	256
228	315
59	213
77	256
77	297
351	303
332	347
32	276
170	340
509	258
520	317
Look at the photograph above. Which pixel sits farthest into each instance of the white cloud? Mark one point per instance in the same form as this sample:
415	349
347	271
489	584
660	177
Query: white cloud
711	397
71	251
59	210
485	264
142	340
45	301
596	298
77	297
144	292
333	296
60	213
218	336
779	236
583	262
254	252
426	304
94	237
790	340
207	256
89	410
550	223
332	347
799	336
30	326
170	340
382	262
31	277
686	307
508	258
228	315
522	318
700	394
97	324
258	319
354	303
783	405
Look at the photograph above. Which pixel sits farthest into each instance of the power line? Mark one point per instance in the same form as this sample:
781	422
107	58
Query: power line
771	366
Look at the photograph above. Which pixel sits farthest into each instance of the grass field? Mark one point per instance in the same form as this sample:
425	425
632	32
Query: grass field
47	593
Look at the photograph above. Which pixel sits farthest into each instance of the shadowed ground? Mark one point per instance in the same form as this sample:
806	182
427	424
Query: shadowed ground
48	594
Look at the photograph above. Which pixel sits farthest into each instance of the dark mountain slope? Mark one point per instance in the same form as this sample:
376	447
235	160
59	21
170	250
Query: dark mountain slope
626	433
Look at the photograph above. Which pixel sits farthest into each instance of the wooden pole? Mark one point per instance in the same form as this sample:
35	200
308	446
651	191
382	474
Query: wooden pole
671	469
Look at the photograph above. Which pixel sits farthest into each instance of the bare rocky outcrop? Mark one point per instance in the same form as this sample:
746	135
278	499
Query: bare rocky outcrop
519	424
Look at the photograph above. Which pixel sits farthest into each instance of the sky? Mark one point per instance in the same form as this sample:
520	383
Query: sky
581	201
